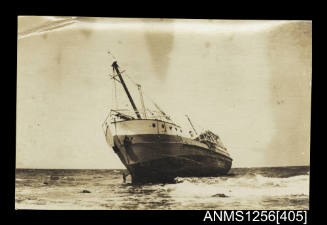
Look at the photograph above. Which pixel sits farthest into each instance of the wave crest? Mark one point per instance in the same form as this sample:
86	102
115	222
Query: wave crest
245	186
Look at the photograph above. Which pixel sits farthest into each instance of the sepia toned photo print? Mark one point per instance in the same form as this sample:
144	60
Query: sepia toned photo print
156	114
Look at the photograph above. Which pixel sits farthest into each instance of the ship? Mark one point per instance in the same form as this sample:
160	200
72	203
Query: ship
155	149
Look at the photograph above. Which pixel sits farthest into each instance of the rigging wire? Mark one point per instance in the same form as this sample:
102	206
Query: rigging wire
114	98
153	102
165	115
115	88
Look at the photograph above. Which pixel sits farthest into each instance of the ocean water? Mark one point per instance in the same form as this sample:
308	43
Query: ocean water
242	188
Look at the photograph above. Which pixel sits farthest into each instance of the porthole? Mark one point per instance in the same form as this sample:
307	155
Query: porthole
163	125
181	131
176	128
153	125
170	127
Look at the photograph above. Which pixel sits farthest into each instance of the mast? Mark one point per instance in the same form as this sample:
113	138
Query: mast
142	100
191	124
115	67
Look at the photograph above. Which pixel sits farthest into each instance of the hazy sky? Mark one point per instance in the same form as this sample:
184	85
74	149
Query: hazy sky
248	81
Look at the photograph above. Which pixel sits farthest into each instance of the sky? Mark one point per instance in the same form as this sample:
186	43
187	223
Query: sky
247	81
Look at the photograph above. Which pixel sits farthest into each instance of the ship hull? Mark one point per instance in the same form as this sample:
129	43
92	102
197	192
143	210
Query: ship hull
161	158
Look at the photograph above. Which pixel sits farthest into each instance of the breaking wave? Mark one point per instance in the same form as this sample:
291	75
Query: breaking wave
242	188
250	185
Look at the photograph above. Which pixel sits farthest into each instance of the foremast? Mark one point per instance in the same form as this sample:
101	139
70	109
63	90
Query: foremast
115	67
135	109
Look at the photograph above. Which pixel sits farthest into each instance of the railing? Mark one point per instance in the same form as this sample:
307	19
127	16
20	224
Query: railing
126	114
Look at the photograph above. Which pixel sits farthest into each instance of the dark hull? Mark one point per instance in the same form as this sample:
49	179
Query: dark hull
161	158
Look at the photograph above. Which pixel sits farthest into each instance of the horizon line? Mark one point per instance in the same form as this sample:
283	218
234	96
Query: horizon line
126	169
